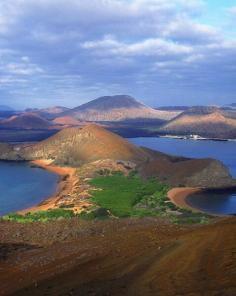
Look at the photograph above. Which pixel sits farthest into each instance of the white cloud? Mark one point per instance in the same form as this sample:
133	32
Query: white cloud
67	46
186	30
232	11
148	47
194	58
21	69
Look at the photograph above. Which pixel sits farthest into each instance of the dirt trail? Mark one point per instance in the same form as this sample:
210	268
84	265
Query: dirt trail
144	257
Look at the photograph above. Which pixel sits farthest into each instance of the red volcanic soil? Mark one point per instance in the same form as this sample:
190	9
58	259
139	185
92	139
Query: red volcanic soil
118	257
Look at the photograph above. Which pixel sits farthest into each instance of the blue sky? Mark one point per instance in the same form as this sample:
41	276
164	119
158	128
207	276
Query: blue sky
67	52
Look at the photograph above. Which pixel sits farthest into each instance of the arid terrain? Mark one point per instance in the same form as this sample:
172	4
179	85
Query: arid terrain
205	122
118	257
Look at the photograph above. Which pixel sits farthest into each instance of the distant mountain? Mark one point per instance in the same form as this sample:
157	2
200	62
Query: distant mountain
203	121
54	110
117	108
174	108
68	121
25	121
230	106
5	108
48	113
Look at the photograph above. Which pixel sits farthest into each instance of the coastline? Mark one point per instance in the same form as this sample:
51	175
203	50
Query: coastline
196	138
67	179
178	196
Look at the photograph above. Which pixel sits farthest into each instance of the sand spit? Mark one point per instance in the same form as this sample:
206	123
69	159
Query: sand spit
65	185
178	197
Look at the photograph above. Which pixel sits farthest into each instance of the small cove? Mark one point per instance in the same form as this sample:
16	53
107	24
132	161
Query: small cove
222	203
23	186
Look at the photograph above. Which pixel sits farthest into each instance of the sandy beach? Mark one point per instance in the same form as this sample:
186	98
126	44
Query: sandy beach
65	185
178	196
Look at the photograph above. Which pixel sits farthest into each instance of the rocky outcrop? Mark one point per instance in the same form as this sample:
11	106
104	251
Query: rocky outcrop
180	172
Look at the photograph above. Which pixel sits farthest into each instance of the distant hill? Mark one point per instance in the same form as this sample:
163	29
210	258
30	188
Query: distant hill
233	105
230	106
173	108
118	108
48	113
6	108
68	121
203	121
25	121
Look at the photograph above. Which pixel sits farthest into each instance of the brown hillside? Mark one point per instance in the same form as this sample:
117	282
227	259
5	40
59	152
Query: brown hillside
181	172
74	146
68	120
26	121
118	108
214	124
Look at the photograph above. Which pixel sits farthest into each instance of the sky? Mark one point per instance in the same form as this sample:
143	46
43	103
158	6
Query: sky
67	52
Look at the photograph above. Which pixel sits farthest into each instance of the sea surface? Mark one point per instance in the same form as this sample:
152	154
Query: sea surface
225	151
23	186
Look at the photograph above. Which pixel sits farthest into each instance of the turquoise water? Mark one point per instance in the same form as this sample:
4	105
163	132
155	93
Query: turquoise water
23	186
218	203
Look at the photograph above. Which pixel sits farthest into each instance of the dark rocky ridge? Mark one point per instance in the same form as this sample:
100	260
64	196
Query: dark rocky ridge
180	172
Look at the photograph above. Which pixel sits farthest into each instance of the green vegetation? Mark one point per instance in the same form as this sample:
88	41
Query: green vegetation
188	217
120	196
99	214
132	197
41	216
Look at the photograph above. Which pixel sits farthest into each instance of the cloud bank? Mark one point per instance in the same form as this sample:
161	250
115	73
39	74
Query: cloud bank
69	51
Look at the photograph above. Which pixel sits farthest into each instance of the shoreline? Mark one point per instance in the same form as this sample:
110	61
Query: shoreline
178	197
65	185
199	138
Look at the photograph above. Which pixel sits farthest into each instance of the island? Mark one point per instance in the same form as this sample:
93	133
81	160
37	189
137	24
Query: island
118	221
